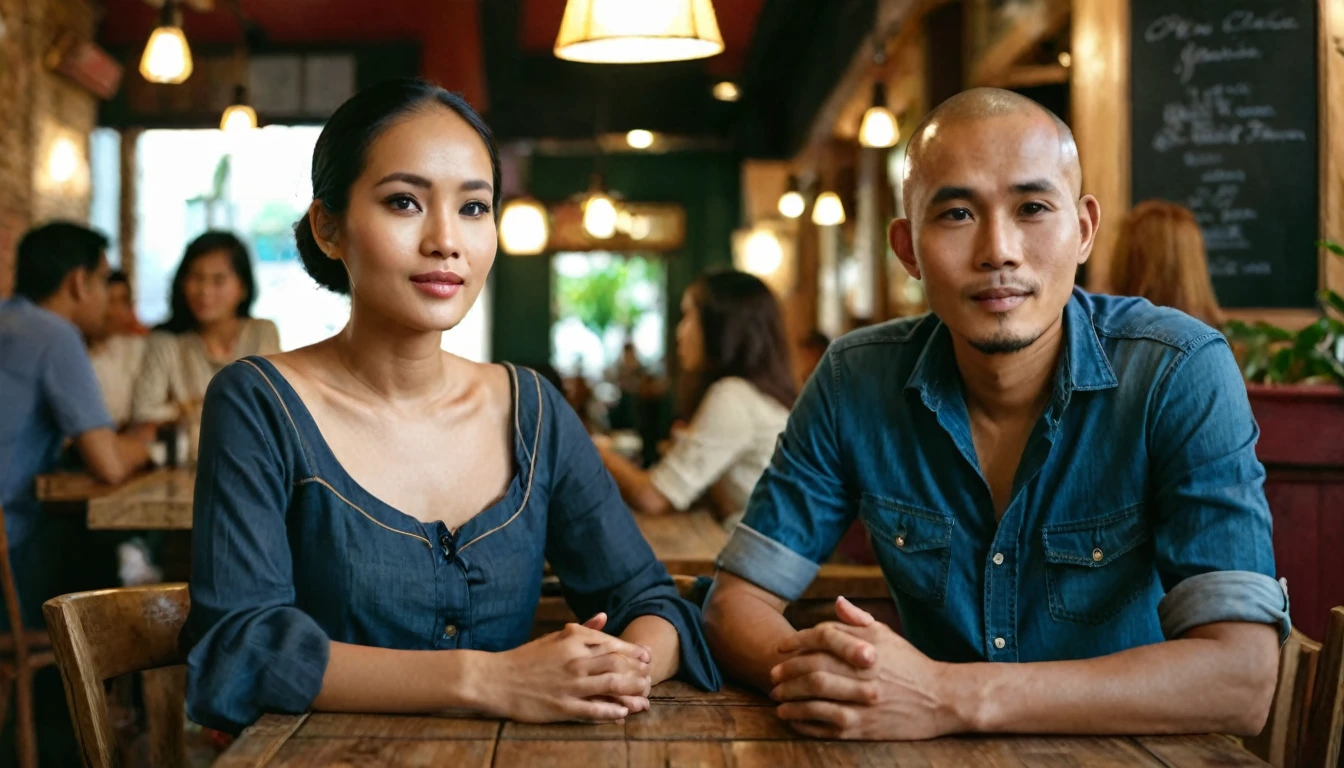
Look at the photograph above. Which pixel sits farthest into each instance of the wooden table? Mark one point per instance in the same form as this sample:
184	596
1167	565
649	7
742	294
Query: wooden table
684	727
158	500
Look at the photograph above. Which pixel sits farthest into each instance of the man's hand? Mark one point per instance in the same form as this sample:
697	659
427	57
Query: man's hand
857	679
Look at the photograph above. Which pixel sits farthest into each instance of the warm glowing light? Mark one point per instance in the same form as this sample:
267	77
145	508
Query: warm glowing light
599	216
639	138
792	204
167	57
1065	59
764	253
828	211
523	227
63	162
238	117
878	128
636	31
727	91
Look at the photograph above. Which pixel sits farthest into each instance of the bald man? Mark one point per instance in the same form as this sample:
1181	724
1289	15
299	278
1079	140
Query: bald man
1061	488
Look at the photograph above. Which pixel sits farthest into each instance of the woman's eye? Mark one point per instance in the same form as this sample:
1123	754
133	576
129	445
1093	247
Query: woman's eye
475	208
402	203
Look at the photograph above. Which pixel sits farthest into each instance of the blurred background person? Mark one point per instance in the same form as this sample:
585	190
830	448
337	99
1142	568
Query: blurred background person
738	385
119	351
810	352
1160	256
210	326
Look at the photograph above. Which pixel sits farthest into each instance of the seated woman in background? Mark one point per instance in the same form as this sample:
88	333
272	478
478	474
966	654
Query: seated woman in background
325	470
736	369
211	326
1160	256
118	353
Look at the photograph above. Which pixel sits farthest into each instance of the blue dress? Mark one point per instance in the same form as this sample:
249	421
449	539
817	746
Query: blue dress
290	553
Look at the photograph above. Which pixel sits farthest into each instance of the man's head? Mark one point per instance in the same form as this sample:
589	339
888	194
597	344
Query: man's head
63	266
997	223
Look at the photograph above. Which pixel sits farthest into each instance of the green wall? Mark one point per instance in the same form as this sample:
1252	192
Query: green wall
705	184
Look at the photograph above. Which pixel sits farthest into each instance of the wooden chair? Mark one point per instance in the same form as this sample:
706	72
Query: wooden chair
1280	742
22	653
102	635
1325	724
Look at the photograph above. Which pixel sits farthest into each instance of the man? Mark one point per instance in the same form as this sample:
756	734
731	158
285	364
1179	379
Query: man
1061	488
50	394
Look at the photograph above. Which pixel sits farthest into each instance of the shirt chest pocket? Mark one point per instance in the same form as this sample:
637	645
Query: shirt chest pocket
913	546
1096	567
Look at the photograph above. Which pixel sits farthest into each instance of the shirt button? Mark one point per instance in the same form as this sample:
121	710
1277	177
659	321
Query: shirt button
450	631
1096	555
998	558
999	643
900	541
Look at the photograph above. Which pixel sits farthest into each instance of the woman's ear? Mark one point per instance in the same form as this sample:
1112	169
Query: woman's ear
326	227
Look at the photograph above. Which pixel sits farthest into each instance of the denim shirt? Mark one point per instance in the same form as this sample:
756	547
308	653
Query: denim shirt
289	553
1137	511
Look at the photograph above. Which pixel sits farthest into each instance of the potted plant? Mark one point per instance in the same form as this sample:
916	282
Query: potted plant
1295	381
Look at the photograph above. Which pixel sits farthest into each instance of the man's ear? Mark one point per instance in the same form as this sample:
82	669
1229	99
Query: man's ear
901	237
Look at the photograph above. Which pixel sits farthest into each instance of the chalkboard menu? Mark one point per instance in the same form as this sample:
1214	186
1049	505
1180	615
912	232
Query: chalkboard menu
1224	121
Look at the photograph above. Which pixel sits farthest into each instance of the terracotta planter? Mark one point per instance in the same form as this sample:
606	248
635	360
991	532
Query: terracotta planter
1302	448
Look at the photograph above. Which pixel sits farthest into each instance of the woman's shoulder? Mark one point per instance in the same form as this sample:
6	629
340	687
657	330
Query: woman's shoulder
736	394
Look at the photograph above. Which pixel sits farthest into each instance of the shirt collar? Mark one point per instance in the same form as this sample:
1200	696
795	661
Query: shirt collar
1083	365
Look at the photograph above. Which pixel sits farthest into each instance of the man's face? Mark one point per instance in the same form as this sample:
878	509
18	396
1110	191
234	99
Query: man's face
996	229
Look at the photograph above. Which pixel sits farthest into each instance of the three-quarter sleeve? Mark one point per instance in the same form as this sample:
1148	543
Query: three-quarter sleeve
152	399
599	554
719	432
250	650
1214	550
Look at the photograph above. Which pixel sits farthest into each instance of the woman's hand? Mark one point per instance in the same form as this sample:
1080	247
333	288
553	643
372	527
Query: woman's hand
578	673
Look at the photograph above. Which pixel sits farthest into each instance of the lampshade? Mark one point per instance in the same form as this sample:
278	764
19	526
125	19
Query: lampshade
878	128
167	57
523	227
239	116
638	31
828	211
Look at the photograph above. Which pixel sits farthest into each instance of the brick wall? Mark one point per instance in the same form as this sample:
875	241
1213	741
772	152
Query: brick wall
38	108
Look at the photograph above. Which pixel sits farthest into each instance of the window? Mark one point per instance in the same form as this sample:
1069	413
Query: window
601	301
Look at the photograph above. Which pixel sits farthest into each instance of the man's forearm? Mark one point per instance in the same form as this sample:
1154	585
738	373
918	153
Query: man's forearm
744	635
1218	679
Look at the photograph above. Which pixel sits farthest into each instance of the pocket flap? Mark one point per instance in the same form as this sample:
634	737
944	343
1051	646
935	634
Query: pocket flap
904	527
1097	541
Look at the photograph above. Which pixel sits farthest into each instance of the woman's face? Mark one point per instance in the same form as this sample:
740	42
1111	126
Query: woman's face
212	288
690	337
418	237
120	311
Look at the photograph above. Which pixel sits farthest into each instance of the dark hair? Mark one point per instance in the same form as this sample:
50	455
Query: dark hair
117	277
817	340
342	151
48	253
182	320
743	336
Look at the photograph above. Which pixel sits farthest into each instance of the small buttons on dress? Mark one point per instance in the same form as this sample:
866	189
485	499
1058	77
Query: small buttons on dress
998	558
449	547
999	643
450	631
900	541
1096	555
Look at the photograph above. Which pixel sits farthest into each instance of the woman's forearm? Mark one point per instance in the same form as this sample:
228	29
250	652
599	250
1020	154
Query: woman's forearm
364	679
634	484
660	637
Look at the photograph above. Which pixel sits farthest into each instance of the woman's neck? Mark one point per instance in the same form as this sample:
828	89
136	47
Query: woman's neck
221	335
388	359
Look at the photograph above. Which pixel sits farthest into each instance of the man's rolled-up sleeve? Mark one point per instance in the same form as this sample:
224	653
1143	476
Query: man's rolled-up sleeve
1213	531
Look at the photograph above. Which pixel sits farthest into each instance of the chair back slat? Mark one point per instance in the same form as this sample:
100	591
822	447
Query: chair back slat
107	633
1325	727
1280	741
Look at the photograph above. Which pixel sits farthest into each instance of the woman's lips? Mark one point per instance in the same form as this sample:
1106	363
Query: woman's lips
440	285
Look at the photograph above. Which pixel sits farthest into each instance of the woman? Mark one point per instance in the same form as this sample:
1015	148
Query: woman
210	326
373	514
119	354
1159	255
734	357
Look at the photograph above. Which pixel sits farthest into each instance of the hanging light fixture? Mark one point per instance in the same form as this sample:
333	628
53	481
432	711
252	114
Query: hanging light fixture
599	210
640	138
727	90
167	57
828	211
240	116
638	31
524	227
791	203
878	128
